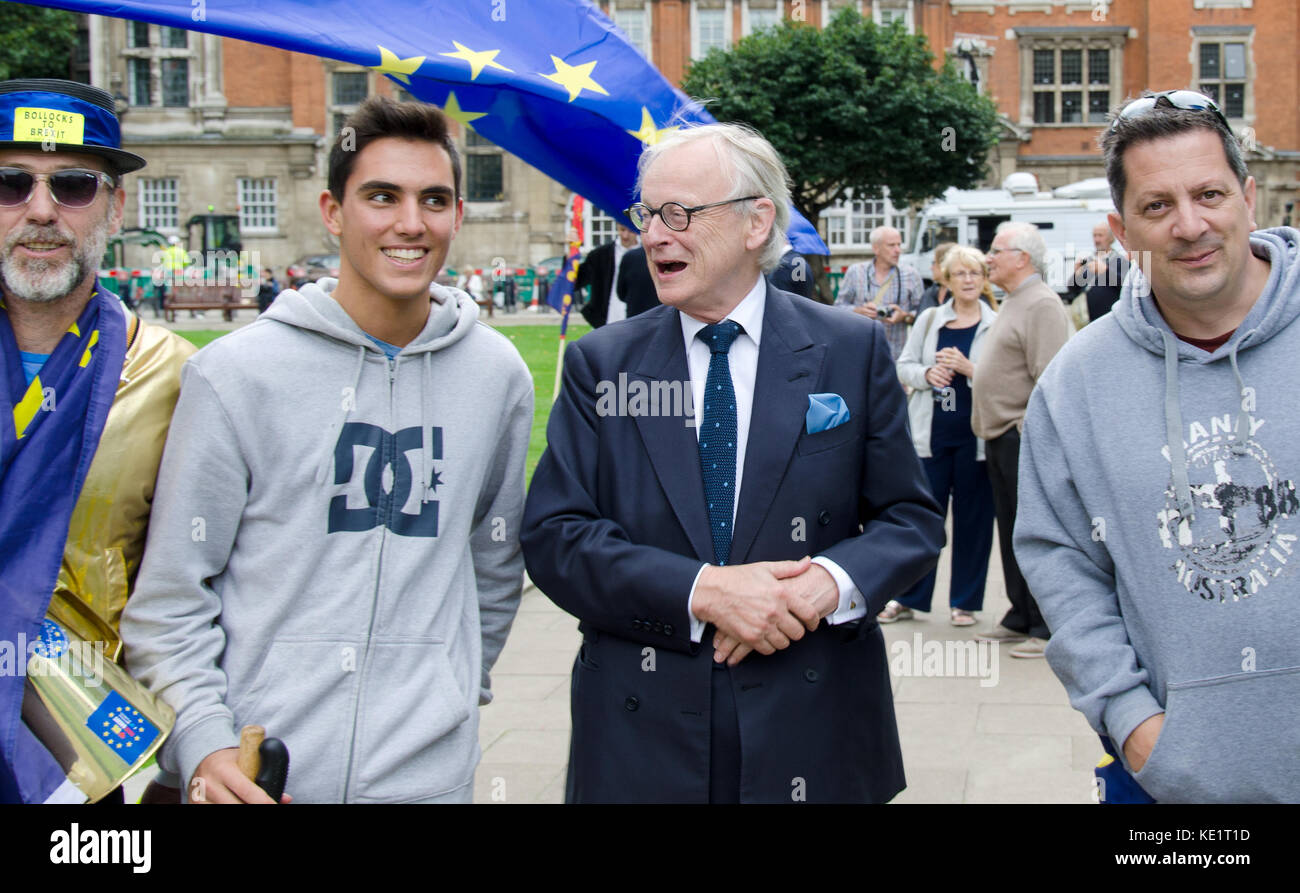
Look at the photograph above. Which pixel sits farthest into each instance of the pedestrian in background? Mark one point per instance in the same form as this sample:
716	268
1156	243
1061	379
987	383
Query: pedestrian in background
938	290
882	290
938	363
1031	327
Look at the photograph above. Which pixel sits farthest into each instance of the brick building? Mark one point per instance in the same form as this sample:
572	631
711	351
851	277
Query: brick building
242	126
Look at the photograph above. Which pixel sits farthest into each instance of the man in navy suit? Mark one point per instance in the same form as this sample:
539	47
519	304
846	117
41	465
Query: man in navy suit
727	665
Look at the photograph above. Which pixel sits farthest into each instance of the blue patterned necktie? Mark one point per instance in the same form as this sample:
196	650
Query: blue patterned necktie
718	436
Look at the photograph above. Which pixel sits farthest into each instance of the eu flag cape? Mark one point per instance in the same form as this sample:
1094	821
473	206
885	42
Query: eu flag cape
552	81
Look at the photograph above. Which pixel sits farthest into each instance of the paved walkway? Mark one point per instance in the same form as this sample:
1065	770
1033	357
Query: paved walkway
1012	739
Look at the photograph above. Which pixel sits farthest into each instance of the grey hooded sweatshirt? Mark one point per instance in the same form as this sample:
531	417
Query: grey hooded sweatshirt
1158	528
334	547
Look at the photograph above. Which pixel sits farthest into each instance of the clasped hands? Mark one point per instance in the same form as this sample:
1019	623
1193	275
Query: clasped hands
763	606
949	362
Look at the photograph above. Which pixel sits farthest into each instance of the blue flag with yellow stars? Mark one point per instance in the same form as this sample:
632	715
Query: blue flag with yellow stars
552	81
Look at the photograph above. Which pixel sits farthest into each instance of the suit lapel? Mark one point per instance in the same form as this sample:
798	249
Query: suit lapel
788	363
671	444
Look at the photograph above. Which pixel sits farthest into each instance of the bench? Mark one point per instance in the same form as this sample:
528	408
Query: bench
226	298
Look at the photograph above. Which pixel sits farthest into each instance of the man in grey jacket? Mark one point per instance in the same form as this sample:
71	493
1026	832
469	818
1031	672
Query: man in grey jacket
334	548
1158	510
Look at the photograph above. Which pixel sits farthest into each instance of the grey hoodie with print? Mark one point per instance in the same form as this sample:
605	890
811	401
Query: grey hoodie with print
1158	526
334	547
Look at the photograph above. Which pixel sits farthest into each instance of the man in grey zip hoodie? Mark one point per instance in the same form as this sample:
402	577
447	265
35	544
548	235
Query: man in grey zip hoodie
334	551
1158	512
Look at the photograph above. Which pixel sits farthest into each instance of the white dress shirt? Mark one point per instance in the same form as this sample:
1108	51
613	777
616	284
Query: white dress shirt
617	310
743	362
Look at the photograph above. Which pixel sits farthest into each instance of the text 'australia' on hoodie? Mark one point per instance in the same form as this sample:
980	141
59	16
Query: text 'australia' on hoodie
334	547
1158	528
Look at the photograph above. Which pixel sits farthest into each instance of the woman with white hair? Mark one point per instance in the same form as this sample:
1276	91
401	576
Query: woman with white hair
938	363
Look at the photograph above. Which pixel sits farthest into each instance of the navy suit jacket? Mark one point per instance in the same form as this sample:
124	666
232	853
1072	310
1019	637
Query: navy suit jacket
615	531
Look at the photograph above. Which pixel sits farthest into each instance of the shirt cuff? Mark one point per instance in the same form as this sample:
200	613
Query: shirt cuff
697	625
852	605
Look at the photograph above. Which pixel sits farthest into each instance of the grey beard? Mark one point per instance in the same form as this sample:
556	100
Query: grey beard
44	282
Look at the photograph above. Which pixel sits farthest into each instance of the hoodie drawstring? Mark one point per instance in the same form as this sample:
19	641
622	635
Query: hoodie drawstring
1174	433
1243	417
346	405
426	388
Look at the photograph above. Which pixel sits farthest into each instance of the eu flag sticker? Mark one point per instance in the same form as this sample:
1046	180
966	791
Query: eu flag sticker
122	728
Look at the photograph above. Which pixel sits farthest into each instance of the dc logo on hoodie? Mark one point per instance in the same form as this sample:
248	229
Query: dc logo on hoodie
389	483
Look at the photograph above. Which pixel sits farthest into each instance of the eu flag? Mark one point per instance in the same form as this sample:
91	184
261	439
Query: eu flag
552	81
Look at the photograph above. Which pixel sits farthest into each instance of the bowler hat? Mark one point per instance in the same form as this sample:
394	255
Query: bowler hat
63	116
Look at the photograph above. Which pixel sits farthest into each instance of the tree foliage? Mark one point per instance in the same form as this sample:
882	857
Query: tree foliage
36	42
853	106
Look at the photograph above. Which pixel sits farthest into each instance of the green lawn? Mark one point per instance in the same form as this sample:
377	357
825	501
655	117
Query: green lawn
538	345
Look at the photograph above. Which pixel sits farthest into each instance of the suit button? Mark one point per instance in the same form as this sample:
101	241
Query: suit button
810	674
631	703
668	629
824	518
659	626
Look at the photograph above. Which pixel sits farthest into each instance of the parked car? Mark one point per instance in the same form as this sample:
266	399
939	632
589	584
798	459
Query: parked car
312	267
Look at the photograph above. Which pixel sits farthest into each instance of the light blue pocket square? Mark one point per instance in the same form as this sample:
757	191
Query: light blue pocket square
825	411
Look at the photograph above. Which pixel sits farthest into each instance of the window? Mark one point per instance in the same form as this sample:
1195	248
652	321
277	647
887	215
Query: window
137	34
175	38
141	81
763	18
886	12
710	29
635	23
850	221
1222	75
1069	75
601	228
257	204
483	178
176	82
158	204
349	90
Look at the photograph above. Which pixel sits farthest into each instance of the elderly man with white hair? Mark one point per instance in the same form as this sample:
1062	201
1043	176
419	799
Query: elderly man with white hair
882	290
1032	325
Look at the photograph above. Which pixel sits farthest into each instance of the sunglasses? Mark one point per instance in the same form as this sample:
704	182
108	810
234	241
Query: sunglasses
72	188
1187	100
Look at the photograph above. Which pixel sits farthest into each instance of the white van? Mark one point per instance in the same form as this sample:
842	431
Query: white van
1065	216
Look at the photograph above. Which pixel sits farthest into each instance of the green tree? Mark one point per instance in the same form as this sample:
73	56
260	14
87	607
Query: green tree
36	42
853	106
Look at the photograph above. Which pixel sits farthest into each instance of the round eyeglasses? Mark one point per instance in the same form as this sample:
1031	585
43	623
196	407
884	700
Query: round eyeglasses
675	215
72	188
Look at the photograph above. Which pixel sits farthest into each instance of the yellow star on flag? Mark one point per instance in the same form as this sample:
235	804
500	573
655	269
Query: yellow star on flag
389	63
649	134
453	110
477	61
574	78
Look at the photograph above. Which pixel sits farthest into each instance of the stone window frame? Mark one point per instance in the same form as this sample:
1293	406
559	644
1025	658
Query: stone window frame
598	219
258	202
476	149
156	54
721	6
878	8
1029	39
159	197
635	6
747	26
337	112
1224	34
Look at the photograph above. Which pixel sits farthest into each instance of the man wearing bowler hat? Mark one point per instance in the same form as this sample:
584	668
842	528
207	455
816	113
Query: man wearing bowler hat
90	390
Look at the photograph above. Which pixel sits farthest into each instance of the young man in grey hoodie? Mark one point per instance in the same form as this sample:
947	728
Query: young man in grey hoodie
1158	518
334	548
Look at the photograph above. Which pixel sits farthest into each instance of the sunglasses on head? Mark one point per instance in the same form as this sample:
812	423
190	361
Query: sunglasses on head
1187	100
72	188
